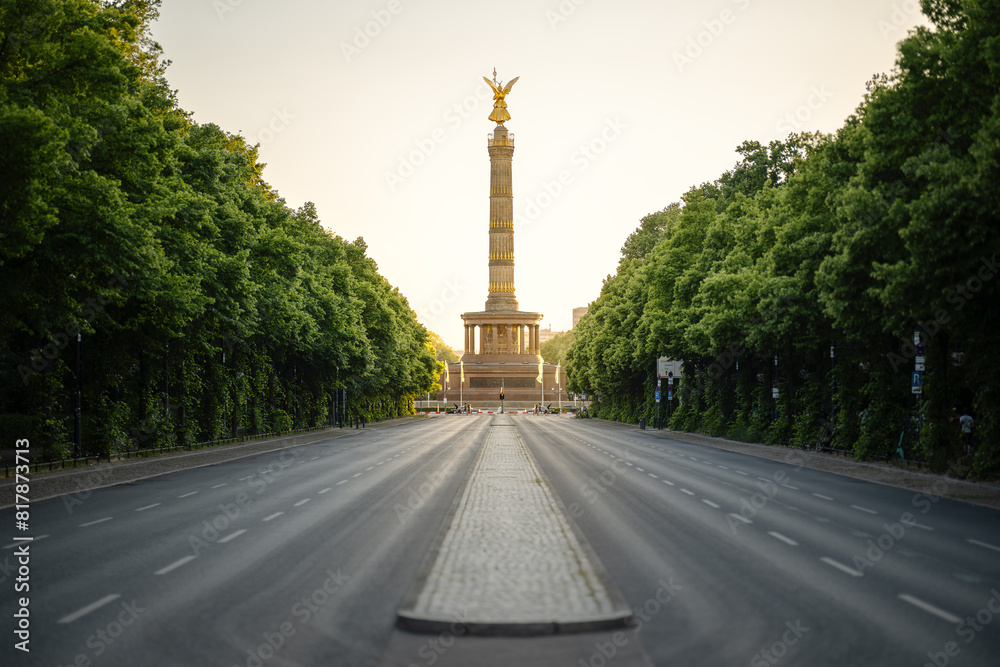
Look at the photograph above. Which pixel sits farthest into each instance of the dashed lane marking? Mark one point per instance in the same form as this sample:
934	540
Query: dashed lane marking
232	536
982	544
929	608
787	540
840	566
173	566
93	523
83	611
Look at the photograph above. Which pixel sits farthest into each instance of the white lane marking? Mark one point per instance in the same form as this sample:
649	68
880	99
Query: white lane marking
217	486
91	523
83	611
667	482
787	540
329	488
188	494
372	468
740	472
706	463
764	479
723	467
302	502
314	458
358	475
690	493
232	536
343	481
918	525
173	566
863	509
652	475
840	566
640	469
789	486
981	544
147	507
243	479
820	495
627	463
740	517
273	516
929	608
711	504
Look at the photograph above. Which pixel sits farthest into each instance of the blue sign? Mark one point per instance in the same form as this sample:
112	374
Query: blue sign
670	395
918	378
657	393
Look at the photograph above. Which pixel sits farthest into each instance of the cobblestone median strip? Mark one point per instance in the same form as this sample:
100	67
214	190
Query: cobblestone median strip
510	561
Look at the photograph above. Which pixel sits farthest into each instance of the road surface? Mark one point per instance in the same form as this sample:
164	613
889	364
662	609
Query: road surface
303	556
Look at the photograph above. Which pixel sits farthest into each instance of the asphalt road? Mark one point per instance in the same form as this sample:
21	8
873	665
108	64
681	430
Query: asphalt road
302	556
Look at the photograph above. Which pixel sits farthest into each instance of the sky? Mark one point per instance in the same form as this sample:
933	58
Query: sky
376	111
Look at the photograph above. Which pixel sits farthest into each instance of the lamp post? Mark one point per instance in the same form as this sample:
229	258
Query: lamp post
78	412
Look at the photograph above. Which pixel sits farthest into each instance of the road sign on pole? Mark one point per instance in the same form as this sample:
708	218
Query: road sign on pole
657	394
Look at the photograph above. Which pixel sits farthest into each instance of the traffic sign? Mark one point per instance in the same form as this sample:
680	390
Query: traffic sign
919	367
670	394
657	394
920	348
670	382
920	359
918	378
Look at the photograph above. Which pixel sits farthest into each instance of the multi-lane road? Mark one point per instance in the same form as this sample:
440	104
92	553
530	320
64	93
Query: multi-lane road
302	556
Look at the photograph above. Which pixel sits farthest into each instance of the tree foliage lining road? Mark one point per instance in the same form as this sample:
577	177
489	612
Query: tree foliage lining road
207	306
851	240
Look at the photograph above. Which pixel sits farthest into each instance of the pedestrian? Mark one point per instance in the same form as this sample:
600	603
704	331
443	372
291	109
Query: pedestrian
967	424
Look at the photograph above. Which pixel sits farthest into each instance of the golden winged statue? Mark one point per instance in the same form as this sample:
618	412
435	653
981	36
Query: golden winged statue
500	91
